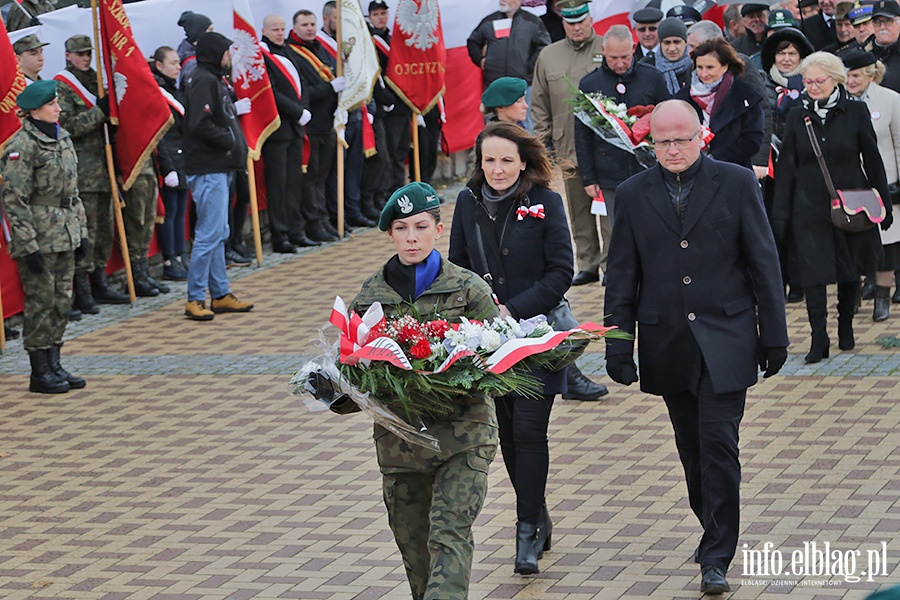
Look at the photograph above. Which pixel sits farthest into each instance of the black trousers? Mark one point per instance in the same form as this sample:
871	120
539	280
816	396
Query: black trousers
322	148
237	216
523	442
429	146
284	180
399	138
706	435
375	186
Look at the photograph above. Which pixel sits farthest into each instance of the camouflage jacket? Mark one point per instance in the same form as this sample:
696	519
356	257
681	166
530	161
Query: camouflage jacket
36	168
86	127
455	293
16	19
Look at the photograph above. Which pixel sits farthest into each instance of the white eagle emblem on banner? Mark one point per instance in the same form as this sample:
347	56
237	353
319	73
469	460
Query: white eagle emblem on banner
419	21
247	63
121	85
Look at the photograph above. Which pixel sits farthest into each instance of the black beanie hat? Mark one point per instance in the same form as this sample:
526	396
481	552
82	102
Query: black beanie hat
194	24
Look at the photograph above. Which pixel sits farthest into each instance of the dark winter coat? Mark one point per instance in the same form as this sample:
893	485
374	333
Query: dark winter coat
170	151
801	213
385	96
890	56
531	260
600	162
683	78
322	97
290	108
512	56
707	290
781	101
817	31
738	123
214	141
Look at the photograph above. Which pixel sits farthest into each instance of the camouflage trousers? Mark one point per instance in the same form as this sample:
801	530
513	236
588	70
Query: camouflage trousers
139	214
48	298
431	511
99	211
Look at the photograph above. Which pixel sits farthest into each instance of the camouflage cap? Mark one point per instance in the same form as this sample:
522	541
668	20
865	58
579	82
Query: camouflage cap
412	199
37	94
79	43
29	42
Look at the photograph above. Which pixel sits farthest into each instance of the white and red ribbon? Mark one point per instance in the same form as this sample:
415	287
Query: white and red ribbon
354	329
536	211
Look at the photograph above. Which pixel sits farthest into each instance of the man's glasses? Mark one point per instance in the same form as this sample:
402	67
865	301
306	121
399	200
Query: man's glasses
648	28
815	82
679	144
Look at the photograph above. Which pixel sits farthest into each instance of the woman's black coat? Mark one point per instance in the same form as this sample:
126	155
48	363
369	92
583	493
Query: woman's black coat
801	213
170	150
531	262
738	122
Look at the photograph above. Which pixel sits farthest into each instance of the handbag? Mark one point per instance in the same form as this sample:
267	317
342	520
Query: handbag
852	211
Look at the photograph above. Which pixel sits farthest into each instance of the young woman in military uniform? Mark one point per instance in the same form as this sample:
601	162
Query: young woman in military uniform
432	497
48	228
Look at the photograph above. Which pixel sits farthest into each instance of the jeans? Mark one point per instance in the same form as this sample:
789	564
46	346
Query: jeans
210	192
171	232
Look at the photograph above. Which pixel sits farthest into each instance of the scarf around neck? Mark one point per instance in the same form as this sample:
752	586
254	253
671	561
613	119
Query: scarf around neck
672	69
411	281
492	199
821	107
782	78
709	95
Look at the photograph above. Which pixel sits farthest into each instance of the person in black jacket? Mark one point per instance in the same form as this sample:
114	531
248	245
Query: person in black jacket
283	150
693	262
819	29
529	262
214	148
603	166
756	18
725	104
886	20
166	67
674	58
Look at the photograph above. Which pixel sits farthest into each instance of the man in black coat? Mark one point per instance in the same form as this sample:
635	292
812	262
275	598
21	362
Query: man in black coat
604	166
886	19
819	29
693	261
756	18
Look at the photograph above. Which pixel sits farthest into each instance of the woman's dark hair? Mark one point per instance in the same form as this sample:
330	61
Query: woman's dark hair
725	54
160	54
538	171
785	44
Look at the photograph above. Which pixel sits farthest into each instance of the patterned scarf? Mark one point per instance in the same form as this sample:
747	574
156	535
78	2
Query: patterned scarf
821	107
672	69
709	95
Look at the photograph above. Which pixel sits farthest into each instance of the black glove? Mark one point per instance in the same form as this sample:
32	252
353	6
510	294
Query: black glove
771	360
621	368
103	103
322	388
83	249
888	219
35	262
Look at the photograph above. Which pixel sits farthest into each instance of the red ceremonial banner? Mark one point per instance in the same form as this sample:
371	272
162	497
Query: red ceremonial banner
12	82
135	103
418	58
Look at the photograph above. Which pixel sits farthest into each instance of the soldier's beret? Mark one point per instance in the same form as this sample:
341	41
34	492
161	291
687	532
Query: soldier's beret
29	42
79	43
576	13
753	7
412	199
37	94
504	91
857	59
648	15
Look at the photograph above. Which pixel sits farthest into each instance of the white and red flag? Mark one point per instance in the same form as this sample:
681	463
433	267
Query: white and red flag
418	58
248	73
12	82
361	68
135	103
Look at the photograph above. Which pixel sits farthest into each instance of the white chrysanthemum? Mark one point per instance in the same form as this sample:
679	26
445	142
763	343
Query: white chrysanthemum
490	340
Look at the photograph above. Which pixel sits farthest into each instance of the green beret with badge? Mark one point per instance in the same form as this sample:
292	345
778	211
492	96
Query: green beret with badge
37	94
504	91
412	199
79	43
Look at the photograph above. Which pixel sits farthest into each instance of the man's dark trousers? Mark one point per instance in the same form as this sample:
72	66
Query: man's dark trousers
284	180
322	149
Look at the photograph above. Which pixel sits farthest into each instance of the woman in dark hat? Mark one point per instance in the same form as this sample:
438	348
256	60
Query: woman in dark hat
728	106
863	78
504	100
48	226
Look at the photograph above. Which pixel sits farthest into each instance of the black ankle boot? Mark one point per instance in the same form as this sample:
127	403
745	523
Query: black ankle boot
526	554
882	303
544	535
142	287
817	312
43	380
102	292
82	298
848	297
868	288
75	382
163	288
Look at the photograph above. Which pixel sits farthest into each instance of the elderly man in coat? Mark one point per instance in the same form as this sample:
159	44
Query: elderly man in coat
693	261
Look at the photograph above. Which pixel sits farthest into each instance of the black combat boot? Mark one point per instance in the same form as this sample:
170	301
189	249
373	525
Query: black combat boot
75	382
102	292
142	287
145	265
82	298
43	380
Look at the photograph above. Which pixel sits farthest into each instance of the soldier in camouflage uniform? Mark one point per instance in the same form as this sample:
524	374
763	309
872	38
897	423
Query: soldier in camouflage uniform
432	497
17	19
83	116
139	216
48	227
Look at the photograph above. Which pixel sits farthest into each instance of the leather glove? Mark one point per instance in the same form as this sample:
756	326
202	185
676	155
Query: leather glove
242	106
771	360
888	220
338	84
35	262
305	117
322	388
171	179
621	368
83	249
103	103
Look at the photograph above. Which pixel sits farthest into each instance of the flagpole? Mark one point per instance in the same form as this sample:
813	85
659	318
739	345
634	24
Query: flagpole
110	164
254	212
2	329
415	139
339	72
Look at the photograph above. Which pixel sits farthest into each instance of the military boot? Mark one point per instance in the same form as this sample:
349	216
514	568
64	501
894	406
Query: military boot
102	292
75	382
43	380
145	265
142	287
82	298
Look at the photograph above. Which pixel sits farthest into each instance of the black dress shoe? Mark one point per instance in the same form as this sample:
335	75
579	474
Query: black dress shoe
301	241
580	387
713	580
319	234
283	247
585	277
359	221
795	294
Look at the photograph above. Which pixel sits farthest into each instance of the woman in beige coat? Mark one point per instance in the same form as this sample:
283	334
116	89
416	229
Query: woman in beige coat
865	73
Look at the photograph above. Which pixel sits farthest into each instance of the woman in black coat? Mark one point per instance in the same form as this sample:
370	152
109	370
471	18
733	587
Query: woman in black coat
801	212
166	66
729	107
509	212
